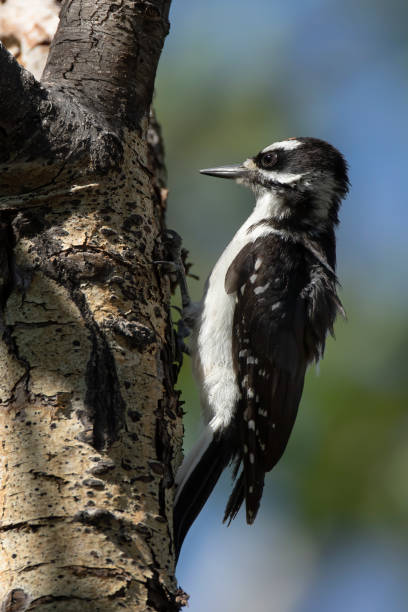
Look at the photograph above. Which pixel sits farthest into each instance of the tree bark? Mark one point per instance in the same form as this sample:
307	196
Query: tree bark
90	425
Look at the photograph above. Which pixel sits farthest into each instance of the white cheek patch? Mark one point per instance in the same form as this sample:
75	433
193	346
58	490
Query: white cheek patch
284	178
286	145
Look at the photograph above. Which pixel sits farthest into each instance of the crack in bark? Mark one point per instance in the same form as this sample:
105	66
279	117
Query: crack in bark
48	599
33	525
104	572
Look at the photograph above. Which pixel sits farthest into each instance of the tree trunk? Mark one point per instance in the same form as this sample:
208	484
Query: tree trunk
89	421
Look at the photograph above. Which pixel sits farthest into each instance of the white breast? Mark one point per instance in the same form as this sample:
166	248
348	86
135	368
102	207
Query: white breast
212	353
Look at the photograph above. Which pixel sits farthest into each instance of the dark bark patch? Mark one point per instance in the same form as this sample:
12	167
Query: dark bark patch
103	397
139	336
17	600
93	483
158	597
6	260
102	467
134	220
95	517
89	266
134	415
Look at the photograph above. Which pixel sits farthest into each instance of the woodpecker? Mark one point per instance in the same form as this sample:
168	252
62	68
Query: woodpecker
269	303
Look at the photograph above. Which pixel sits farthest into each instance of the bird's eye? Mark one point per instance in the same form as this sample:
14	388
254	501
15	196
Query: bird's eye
269	159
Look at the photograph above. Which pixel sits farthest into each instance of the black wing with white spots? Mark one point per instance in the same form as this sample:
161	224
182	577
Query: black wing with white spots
285	304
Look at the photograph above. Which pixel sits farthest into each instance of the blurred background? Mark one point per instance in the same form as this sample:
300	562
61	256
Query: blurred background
235	76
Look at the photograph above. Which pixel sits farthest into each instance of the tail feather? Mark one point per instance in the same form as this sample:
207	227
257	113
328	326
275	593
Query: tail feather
197	477
236	500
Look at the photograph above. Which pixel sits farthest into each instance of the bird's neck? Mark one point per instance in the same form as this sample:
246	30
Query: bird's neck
268	205
272	211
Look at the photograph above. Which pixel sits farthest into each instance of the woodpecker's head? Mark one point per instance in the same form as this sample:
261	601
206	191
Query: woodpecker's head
303	178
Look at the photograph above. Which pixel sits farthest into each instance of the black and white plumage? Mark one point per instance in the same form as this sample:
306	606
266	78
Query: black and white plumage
269	303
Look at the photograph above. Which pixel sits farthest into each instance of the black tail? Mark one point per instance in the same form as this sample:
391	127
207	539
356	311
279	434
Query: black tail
196	488
236	500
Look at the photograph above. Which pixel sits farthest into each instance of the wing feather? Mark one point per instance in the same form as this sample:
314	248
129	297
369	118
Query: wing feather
269	357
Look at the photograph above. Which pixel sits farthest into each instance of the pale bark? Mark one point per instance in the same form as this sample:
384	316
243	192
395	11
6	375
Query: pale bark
27	28
90	427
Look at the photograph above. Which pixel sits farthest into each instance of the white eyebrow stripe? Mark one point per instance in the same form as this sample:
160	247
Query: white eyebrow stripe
286	145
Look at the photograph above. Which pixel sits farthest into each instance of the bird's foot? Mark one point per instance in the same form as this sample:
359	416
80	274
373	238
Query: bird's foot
174	263
174	266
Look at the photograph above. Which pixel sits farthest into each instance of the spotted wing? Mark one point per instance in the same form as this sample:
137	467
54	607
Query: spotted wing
269	358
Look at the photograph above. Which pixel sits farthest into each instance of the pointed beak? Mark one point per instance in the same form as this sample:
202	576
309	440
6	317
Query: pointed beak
229	172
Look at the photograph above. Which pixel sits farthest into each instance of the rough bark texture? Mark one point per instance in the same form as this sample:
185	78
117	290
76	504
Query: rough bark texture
89	421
